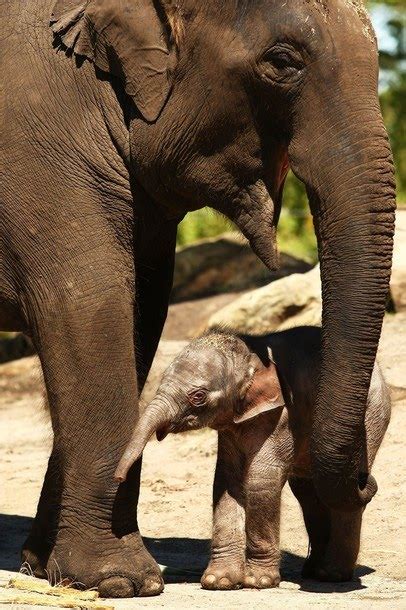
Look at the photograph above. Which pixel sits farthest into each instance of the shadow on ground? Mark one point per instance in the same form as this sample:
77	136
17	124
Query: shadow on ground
182	559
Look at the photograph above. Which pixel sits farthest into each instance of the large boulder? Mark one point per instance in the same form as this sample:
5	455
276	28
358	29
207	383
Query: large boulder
14	346
289	301
392	353
224	264
398	280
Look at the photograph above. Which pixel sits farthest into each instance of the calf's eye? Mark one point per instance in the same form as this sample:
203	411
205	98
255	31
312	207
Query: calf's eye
197	398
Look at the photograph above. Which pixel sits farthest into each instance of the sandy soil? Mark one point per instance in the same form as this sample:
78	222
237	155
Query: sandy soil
175	505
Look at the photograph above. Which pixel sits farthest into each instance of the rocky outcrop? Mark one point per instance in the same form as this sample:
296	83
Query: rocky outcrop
224	264
14	346
398	279
392	353
290	301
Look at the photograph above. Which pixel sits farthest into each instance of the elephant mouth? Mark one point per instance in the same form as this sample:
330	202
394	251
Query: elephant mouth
162	432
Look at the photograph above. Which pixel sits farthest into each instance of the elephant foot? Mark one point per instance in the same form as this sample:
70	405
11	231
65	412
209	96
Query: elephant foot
34	558
317	569
311	566
117	567
223	576
260	576
328	573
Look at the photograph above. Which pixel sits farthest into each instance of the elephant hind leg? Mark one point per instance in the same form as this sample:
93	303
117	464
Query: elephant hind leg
317	521
334	535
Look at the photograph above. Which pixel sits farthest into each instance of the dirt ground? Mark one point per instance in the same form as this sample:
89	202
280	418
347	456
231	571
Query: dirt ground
175	504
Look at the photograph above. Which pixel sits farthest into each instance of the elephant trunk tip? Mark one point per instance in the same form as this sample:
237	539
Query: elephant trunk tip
120	474
125	464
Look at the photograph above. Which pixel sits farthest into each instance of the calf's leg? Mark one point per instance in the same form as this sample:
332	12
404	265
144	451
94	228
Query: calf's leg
262	490
226	566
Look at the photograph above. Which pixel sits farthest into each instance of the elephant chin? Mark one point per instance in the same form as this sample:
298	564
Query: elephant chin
254	215
162	433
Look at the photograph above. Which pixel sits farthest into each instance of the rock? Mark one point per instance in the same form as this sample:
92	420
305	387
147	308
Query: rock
224	264
20	377
392	353
286	302
14	346
398	279
189	319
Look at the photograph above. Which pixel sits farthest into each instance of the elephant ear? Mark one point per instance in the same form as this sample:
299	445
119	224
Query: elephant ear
125	38
263	393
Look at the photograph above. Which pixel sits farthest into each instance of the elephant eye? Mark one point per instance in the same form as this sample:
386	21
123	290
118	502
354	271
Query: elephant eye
281	63
197	398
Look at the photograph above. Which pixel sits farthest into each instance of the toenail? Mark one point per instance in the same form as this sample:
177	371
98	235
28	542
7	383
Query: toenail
224	582
151	586
116	586
210	579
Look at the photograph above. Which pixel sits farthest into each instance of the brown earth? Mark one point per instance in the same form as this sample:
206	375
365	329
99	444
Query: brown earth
175	504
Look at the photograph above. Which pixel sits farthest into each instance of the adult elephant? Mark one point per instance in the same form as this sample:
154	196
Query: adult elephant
117	120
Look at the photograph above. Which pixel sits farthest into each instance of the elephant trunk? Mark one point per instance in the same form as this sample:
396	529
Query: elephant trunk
350	184
254	214
154	417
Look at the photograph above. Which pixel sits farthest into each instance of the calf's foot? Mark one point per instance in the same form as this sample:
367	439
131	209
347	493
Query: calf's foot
261	576
223	576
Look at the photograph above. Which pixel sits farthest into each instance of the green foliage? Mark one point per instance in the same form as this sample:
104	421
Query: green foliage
393	103
393	97
295	230
202	223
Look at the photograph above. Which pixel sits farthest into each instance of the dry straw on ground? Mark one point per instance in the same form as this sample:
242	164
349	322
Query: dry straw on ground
28	590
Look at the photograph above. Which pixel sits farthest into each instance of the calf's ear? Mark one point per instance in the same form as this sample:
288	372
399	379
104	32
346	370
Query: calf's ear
263	393
130	39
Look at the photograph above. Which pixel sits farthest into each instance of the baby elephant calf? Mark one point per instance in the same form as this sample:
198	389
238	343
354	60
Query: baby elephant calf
259	392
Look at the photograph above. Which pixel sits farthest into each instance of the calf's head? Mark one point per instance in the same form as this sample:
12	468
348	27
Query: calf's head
215	381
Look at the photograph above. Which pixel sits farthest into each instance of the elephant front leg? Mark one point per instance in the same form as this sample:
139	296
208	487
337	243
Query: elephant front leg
226	565
87	354
263	490
38	546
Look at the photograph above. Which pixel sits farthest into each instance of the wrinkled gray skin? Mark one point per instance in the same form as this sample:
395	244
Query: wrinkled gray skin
263	413
118	117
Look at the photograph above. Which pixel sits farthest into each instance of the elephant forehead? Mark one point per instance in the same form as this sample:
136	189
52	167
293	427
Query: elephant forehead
200	365
332	8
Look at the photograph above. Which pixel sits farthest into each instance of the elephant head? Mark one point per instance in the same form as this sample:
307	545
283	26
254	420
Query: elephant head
215	381
226	96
